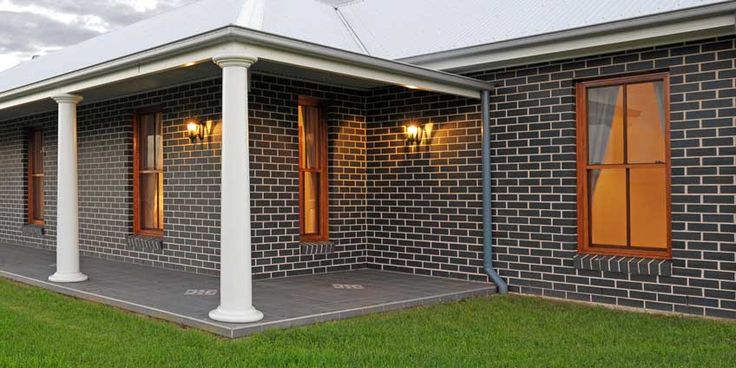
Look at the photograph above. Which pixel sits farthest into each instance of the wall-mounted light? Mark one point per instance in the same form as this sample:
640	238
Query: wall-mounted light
198	130
414	133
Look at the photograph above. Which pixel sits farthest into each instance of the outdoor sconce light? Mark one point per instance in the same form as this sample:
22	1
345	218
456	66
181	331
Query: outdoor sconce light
414	133
198	130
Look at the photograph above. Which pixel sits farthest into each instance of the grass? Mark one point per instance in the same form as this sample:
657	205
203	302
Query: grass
42	329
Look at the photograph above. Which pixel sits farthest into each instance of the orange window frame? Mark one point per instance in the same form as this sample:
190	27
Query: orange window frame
323	234
584	225
137	228
35	148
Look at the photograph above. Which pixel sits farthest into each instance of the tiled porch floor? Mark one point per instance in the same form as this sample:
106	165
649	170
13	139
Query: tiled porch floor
286	302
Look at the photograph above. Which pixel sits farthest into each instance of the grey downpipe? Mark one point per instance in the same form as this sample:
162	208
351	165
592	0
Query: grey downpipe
503	288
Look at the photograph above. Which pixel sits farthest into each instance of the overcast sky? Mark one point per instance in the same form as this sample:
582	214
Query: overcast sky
37	27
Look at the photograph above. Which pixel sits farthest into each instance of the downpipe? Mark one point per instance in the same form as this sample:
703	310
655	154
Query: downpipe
503	288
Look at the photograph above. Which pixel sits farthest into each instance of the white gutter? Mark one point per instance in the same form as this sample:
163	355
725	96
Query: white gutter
373	65
676	26
203	47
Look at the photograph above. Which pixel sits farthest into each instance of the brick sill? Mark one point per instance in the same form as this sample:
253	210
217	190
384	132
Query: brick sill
145	243
630	265
31	229
324	247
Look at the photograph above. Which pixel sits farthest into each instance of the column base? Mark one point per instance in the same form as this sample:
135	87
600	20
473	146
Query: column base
68	277
229	316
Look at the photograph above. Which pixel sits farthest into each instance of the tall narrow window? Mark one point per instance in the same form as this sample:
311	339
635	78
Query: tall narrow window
624	166
148	174
35	177
312	171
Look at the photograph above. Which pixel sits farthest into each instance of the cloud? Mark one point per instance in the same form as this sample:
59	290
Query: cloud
26	33
36	27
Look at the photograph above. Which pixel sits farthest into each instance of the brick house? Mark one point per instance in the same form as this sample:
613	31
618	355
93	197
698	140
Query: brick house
608	173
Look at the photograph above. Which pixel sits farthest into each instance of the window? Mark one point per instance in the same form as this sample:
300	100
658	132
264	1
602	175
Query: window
624	166
35	177
148	174
312	171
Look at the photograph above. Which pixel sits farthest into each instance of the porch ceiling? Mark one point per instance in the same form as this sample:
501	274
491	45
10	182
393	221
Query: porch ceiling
190	59
173	77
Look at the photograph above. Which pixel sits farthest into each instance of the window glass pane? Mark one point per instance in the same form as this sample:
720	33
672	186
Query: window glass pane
605	125
37	153
309	124
149	201
607	191
311	210
159	164
37	210
648	207
150	142
160	200
645	126
150	180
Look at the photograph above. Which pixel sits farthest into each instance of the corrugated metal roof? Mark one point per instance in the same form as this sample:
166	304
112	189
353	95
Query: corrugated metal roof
307	20
390	29
399	29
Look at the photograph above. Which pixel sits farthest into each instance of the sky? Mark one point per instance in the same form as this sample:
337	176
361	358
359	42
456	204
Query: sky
38	27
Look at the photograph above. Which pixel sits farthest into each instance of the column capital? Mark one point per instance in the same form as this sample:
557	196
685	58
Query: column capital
67	98
241	60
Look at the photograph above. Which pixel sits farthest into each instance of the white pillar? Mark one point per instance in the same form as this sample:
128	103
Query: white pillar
67	212
236	289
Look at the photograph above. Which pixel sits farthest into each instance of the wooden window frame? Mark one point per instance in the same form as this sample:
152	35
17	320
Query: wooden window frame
32	174
324	179
136	174
584	243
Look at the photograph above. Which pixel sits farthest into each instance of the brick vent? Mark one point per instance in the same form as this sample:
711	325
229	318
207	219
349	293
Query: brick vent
318	248
144	243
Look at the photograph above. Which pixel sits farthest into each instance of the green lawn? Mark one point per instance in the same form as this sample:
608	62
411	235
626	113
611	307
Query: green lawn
42	329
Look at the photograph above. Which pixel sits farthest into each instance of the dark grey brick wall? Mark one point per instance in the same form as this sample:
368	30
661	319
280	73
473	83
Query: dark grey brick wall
274	163
535	185
191	183
13	179
425	201
425	205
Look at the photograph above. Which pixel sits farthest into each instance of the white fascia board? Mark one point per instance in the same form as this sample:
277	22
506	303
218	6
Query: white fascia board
172	56
317	57
585	41
280	49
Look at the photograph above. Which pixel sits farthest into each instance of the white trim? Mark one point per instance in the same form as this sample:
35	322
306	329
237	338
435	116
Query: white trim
101	75
203	47
67	193
236	277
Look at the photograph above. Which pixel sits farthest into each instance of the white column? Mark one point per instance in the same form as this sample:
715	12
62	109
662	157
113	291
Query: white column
67	212
236	289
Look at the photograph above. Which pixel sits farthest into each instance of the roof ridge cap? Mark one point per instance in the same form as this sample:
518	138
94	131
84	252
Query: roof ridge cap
251	14
348	3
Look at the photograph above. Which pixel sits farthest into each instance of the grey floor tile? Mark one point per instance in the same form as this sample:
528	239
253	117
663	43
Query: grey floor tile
286	302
